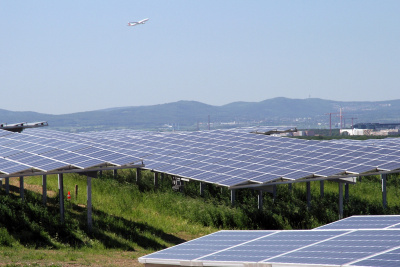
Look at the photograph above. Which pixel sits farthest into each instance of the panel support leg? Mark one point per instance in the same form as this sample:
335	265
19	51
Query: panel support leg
308	195
155	180
21	187
260	200
115	173
233	196
346	191
89	203
273	192
340	200
384	178
61	195
290	186
44	189
321	189
7	186
202	185
138	175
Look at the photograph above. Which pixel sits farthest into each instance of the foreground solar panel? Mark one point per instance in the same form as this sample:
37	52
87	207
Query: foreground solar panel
350	247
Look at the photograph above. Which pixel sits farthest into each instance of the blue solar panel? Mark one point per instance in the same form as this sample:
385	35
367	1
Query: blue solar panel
270	246
344	248
387	259
207	245
286	248
364	222
228	149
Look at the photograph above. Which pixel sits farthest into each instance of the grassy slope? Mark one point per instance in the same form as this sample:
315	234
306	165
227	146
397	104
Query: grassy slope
133	220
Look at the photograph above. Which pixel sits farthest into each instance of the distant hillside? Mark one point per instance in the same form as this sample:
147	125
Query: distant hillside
306	113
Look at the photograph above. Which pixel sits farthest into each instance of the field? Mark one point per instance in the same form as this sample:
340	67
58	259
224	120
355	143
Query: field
131	220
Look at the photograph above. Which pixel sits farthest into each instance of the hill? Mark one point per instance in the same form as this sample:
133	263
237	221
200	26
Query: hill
191	115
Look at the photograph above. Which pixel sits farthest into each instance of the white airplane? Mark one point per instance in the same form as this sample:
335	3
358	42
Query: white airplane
137	22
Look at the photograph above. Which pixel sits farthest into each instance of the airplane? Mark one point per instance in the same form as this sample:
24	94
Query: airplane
137	22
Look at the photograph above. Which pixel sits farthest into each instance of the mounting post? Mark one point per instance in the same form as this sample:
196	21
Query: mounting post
202	185
61	195
308	195
340	200
384	178
346	191
233	196
138	174
155	180
44	189
7	186
21	187
321	188
260	199
89	203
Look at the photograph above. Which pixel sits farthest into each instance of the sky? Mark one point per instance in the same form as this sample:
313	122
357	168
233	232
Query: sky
61	57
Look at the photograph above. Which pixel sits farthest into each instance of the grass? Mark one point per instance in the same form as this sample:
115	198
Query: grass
131	220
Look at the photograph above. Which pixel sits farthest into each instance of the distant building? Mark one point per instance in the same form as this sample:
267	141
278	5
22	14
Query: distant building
304	133
377	126
370	132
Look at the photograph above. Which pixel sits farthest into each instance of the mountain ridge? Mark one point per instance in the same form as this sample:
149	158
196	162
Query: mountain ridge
190	114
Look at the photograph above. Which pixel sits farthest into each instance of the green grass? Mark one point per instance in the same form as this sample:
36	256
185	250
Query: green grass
132	219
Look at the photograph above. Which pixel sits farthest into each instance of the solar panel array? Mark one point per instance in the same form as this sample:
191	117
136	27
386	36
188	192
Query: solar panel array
24	154
333	247
230	158
223	157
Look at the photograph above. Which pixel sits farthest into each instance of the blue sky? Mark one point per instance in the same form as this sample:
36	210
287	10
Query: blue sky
62	57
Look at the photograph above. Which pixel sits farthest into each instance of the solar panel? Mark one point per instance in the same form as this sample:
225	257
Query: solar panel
239	154
270	246
389	258
344	248
364	222
207	245
329	247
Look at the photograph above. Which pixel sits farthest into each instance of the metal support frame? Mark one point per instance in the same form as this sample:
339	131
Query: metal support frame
44	189
115	173
321	189
21	187
61	195
308	195
89	203
340	200
260	199
155	179
290	186
384	200
202	186
346	191
7	185
138	174
274	192
233	196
